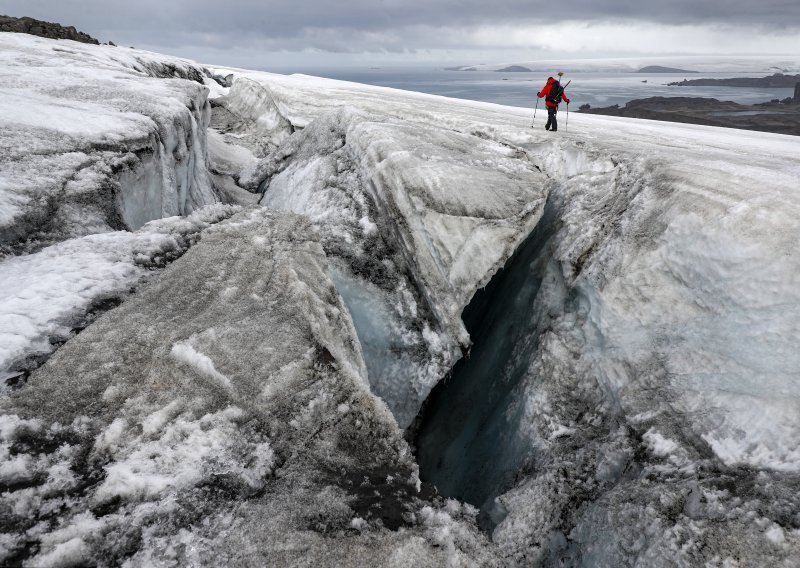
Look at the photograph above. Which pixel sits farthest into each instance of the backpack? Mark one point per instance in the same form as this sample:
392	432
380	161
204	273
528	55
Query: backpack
556	91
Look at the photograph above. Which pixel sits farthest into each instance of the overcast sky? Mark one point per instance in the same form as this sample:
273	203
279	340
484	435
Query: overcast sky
271	33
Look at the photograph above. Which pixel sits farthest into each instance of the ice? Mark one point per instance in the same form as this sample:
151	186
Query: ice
417	216
95	139
171	464
628	291
699	367
251	117
45	294
655	333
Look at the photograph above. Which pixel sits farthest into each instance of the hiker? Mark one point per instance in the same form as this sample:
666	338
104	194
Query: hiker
553	94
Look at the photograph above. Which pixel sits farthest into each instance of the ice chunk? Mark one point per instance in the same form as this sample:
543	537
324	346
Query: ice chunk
43	294
415	218
196	466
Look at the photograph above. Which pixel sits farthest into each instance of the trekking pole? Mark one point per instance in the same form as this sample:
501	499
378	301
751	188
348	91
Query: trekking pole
566	128
534	112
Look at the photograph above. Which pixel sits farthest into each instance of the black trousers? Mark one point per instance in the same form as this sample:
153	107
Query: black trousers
552	123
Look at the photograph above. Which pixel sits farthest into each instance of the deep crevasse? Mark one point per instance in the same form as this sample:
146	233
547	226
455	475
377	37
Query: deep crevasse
649	407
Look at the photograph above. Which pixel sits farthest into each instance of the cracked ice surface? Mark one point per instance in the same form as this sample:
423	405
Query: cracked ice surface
94	139
649	404
220	413
42	295
658	361
414	217
694	227
656	407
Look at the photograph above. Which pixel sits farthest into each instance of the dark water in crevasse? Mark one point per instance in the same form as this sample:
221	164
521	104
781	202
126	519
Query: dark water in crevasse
519	89
468	442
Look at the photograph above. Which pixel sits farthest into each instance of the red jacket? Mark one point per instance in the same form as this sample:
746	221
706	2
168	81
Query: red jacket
546	91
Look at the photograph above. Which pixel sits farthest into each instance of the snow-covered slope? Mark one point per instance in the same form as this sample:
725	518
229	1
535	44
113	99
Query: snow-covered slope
630	306
45	295
95	141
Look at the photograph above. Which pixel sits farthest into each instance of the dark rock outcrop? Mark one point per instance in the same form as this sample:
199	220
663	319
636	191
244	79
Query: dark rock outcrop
774	116
661	69
776	81
797	93
514	69
40	28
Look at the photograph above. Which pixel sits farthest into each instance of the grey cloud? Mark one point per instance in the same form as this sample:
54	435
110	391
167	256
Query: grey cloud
215	22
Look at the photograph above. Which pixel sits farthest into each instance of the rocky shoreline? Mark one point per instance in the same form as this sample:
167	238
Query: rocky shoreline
775	116
776	81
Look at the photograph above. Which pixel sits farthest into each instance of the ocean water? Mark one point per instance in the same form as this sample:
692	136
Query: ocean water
597	89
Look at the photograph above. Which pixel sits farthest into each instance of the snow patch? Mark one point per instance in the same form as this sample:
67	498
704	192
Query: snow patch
658	444
185	353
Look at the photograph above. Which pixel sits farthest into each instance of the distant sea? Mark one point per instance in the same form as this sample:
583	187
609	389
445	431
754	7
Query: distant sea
597	89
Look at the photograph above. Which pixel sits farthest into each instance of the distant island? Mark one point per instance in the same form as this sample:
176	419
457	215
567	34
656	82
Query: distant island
776	81
514	69
660	69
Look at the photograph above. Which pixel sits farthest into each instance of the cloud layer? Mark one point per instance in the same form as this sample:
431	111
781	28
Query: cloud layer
402	26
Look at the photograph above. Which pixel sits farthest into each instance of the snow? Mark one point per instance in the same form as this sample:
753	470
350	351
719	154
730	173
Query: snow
94	139
658	444
185	353
65	554
177	458
775	535
43	295
252	469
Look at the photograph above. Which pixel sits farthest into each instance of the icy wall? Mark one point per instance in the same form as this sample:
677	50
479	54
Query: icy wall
92	141
96	141
625	397
468	443
248	116
601	414
413	219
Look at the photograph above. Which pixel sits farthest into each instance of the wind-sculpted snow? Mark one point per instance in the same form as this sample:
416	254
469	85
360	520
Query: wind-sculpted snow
221	416
93	141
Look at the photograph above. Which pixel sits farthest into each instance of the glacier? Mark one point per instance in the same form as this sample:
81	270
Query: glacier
288	320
